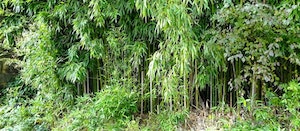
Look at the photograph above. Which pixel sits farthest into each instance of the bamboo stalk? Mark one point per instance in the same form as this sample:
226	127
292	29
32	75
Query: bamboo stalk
238	88
94	81
197	91
98	76
171	104
210	91
78	89
184	88
88	82
220	76
231	98
157	93
290	72
191	87
184	96
253	90
224	86
84	87
142	92
97	82
151	96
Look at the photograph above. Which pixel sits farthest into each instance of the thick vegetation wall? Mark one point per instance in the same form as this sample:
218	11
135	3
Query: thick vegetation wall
146	57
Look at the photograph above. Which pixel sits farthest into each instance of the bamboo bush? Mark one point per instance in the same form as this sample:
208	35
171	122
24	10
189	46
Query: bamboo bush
176	55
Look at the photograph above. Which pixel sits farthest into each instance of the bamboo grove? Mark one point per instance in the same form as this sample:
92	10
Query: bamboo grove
175	54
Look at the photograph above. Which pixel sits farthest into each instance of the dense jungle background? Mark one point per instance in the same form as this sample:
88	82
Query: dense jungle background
150	65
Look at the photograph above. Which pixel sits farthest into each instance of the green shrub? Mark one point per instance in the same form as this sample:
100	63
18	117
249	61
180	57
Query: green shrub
166	120
14	113
280	112
109	109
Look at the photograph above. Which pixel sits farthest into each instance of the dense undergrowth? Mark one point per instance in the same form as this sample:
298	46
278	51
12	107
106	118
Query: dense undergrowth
275	113
114	108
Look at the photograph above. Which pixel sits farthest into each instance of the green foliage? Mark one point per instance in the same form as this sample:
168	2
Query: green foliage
170	120
16	118
165	120
15	114
108	109
257	35
151	56
280	112
290	101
